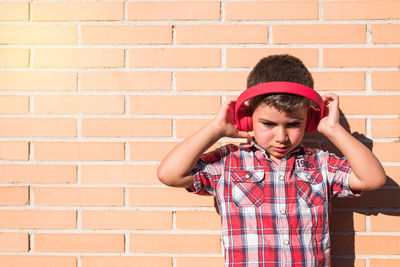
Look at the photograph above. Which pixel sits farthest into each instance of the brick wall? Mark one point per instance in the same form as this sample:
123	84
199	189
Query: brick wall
94	93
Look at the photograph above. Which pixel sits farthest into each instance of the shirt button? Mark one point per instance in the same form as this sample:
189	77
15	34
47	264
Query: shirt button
247	176
282	178
286	242
283	212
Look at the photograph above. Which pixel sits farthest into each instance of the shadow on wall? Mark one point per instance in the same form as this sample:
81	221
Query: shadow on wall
346	220
348	214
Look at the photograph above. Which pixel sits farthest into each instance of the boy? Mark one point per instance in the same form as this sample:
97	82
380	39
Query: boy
272	193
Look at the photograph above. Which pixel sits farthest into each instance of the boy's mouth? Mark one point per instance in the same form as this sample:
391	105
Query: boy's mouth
280	149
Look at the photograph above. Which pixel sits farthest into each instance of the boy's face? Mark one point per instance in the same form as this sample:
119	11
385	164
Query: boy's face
278	132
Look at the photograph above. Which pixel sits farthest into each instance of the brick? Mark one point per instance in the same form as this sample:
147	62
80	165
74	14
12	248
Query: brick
177	104
385	80
14	150
150	151
37	127
383	198
348	262
78	58
384	262
186	127
388	222
384	244
38	219
387	151
367	9
79	151
127	34
385	33
118	127
166	197
211	81
354	126
119	174
357	127
14	104
14	58
37	261
271	10
67	11
37	174
15	11
174	57
335	81
319	34
370	105
145	80
79	243
385	128
123	261
221	34
132	220
361	57
14	195
15	242
38	34
174	10
393	175
199	262
342	221
249	57
175	243
38	81
198	220
78	196
91	104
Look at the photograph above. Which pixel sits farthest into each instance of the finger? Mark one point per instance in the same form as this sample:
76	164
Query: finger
230	101
329	97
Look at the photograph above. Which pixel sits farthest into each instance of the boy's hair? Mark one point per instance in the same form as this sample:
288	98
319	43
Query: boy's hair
280	68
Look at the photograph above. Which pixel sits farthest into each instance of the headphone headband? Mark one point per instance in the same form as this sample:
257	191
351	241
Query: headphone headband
278	87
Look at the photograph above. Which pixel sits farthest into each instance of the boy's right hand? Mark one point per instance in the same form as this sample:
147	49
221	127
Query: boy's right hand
225	123
176	168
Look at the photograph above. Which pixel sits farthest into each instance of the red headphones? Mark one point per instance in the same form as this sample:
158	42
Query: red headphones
243	114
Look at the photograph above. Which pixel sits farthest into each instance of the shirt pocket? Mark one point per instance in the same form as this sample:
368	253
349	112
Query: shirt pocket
310	189
248	188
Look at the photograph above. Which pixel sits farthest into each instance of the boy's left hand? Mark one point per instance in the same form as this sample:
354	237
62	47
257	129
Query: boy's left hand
331	116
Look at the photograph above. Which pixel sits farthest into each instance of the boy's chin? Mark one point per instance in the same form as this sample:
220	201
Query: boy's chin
277	156
280	152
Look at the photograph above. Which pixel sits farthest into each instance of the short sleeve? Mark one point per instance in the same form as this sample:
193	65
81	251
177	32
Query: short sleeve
337	170
208	171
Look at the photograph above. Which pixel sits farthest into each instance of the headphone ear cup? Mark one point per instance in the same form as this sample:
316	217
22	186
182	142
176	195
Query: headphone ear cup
313	116
245	123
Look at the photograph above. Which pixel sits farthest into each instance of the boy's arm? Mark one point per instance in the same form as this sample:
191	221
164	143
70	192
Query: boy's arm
367	172
175	169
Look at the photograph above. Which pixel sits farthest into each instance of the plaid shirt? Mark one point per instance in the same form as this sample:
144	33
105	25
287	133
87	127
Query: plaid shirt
273	214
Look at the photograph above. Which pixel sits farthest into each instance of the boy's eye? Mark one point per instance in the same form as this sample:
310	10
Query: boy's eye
294	124
269	124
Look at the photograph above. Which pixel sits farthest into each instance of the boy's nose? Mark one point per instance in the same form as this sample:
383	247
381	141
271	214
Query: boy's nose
281	135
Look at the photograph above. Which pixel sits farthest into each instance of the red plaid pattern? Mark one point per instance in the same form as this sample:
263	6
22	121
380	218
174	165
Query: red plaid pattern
273	214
